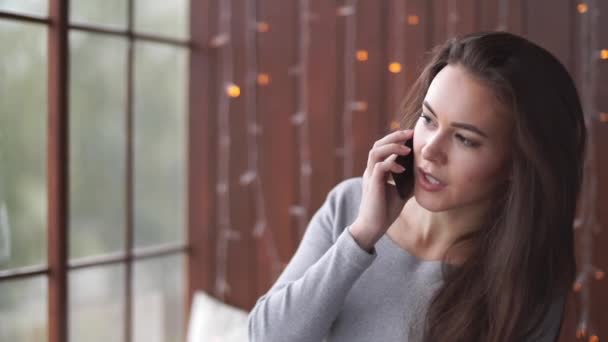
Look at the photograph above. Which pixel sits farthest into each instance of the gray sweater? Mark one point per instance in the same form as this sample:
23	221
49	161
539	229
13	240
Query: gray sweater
332	289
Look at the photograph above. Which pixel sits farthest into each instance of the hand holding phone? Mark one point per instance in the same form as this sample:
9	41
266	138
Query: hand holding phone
380	205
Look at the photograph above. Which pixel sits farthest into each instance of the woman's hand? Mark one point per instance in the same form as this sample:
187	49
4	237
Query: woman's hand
380	202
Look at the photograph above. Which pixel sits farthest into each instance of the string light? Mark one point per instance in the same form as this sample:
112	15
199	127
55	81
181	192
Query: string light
251	177
350	39
225	232
300	119
233	90
587	223
582	8
604	54
413	20
360	106
263	79
362	55
398	57
345	11
394	67
263	27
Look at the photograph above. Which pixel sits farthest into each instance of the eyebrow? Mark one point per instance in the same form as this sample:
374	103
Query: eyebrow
459	124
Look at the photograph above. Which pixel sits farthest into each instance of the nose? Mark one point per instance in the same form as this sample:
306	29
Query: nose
433	149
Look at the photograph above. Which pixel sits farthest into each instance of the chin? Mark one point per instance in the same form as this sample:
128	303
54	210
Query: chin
429	201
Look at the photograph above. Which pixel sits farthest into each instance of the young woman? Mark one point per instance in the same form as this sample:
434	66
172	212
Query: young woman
482	250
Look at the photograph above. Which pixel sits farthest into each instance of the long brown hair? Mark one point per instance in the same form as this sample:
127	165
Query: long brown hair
523	256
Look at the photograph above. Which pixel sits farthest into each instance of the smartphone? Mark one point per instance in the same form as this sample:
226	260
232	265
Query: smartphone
404	181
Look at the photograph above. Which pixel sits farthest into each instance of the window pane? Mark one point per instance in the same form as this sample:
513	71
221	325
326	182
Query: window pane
23	125
160	143
161	17
23	310
96	304
159	290
31	7
111	13
97	143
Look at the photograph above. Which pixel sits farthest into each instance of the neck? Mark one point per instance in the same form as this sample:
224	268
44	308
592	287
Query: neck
432	233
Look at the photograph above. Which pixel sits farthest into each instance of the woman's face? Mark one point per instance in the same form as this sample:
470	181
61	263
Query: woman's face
463	139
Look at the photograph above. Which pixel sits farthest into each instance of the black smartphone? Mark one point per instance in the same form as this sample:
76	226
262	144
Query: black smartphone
404	181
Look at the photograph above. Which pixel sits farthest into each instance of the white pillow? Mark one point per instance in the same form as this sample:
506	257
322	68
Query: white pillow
214	321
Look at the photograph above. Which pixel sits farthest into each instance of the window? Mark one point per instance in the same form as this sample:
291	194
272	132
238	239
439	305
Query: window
93	170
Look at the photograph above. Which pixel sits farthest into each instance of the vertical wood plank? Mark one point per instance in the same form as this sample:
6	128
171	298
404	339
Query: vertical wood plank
58	170
323	109
201	189
398	42
240	274
371	76
417	42
277	55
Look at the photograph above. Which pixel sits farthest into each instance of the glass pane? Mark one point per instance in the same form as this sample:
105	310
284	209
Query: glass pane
96	304
23	125
159	289
111	13
97	143
23	310
160	143
32	7
161	17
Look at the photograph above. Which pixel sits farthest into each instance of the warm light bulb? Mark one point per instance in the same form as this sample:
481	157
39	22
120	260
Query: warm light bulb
599	275
360	106
395	125
362	55
394	67
581	332
582	7
263	79
594	338
604	54
577	286
263	26
413	19
233	90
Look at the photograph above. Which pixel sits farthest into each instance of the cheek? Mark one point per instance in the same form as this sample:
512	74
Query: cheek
479	171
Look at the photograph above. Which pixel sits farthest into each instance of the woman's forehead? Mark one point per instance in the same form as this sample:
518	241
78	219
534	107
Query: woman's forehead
455	96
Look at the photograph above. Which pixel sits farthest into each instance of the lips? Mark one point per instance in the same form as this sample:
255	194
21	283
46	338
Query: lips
423	173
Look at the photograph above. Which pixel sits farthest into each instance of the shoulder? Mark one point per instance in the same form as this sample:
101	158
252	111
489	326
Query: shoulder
346	189
346	194
342	203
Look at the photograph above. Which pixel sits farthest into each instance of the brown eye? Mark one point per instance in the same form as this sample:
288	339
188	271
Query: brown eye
425	118
466	142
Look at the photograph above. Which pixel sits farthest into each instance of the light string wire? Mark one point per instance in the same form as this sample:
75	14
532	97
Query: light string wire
347	150
299	120
587	224
252	176
225	233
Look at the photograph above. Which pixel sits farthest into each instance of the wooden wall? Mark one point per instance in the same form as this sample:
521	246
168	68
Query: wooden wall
380	25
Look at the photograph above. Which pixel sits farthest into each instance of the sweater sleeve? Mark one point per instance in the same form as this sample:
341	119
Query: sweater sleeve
309	294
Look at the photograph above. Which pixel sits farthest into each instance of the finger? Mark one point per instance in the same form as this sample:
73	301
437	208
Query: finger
378	154
396	136
381	169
